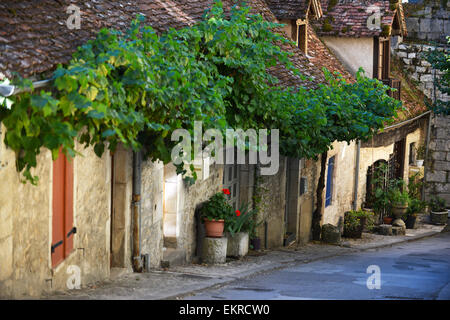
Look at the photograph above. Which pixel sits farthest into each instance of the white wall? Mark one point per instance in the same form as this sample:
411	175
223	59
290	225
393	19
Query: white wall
353	52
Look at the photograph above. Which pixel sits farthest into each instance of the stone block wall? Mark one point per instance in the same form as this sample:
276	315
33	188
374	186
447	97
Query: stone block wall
437	174
26	222
428	20
420	70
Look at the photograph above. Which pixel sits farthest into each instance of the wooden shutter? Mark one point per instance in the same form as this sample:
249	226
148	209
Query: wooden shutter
329	190
62	210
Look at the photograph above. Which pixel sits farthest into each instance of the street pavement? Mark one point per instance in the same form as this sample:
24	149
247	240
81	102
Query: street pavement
410	270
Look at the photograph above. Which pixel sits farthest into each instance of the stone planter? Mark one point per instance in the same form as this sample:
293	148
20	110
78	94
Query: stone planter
439	218
237	245
399	209
419	163
214	228
214	250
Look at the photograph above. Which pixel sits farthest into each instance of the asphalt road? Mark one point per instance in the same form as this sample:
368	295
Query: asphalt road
412	270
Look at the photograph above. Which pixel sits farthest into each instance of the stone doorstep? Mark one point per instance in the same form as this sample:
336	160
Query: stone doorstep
173	257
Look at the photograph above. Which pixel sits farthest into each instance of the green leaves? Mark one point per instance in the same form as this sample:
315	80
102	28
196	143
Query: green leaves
137	88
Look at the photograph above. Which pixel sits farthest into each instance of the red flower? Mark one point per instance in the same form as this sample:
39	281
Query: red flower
226	191
238	213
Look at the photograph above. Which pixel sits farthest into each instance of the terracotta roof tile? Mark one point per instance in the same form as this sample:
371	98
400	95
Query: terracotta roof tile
289	9
349	18
34	37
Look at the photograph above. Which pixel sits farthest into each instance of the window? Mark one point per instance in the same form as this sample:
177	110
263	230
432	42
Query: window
412	153
329	190
382	57
231	182
302	39
62	210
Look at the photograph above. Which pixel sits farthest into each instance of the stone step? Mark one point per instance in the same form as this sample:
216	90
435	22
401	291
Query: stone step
173	257
170	242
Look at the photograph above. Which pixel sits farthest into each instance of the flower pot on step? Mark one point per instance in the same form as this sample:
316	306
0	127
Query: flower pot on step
387	220
255	243
399	209
214	228
411	222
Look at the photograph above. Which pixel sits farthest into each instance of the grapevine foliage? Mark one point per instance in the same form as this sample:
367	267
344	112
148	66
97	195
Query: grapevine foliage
138	86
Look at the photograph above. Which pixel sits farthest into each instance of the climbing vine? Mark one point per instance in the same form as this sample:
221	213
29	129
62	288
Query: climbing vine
137	86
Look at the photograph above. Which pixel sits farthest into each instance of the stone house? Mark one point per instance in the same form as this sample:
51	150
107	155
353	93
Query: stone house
131	213
91	215
341	37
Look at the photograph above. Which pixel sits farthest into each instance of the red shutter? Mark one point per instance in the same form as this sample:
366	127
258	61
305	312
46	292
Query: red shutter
62	206
68	221
58	211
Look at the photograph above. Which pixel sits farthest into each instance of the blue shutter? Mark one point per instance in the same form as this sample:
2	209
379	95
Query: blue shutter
329	190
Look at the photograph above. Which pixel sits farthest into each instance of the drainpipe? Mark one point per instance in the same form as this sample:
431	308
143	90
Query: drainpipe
355	194
427	142
136	205
7	90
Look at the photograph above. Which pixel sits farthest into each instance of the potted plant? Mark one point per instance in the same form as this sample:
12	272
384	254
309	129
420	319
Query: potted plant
387	219
420	155
237	231
214	213
438	212
355	221
415	207
251	225
399	202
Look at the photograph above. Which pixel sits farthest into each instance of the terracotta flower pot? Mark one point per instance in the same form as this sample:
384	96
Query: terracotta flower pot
214	228
387	220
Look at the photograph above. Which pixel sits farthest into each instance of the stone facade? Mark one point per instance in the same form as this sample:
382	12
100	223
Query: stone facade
26	222
272	192
438	164
420	70
428	20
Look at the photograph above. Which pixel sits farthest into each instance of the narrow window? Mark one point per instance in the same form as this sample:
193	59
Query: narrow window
329	190
62	210
412	153
302	40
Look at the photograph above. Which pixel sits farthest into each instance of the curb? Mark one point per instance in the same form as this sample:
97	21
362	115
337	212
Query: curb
383	245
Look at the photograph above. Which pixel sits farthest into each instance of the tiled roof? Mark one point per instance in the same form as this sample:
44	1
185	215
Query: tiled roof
289	9
349	18
34	37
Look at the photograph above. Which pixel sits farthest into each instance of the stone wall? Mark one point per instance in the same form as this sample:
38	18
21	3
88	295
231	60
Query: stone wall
428	20
418	69
152	238
193	196
437	174
26	221
272	191
343	181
